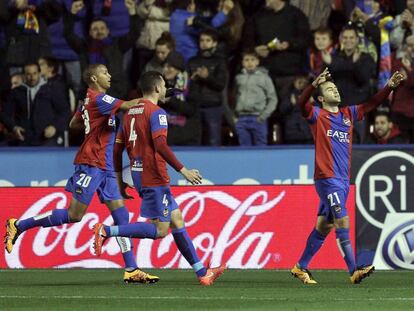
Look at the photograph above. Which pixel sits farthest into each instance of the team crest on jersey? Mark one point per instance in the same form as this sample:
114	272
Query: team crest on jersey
165	212
108	99
347	121
78	190
163	119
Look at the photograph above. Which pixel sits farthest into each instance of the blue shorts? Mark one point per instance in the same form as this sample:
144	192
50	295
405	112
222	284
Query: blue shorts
88	179
333	194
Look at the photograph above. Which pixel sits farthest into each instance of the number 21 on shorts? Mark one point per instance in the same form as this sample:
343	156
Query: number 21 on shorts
334	199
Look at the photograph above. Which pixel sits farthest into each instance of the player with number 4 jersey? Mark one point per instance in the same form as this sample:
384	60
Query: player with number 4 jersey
94	171
332	131
144	134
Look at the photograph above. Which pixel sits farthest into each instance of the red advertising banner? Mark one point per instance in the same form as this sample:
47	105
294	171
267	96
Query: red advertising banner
241	226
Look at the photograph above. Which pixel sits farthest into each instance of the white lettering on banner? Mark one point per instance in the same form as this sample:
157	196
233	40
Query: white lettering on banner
382	186
193	204
6	183
303	179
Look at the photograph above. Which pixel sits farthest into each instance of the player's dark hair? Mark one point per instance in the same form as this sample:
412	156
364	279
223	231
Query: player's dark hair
211	33
149	81
382	113
89	72
52	62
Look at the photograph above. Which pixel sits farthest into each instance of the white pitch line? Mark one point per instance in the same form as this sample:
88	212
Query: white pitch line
199	298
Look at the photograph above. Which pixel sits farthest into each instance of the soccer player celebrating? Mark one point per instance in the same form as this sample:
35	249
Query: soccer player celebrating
332	131
144	134
94	171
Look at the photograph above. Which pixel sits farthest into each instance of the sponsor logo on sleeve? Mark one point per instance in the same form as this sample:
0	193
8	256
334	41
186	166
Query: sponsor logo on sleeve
163	119
108	99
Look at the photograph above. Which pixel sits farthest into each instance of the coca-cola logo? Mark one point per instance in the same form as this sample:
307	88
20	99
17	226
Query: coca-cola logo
236	234
239	226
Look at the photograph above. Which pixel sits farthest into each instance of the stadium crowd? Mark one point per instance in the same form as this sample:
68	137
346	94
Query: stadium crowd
235	67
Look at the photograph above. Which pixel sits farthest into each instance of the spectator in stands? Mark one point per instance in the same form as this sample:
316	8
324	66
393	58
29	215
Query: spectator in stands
352	71
377	27
231	31
183	30
157	21
208	74
184	126
385	132
26	30
280	35
102	48
61	51
403	27
163	47
296	129
36	112
256	100
115	13
402	102
323	43
16	80
317	11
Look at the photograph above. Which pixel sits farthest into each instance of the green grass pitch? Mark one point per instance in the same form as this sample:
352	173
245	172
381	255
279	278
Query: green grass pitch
99	290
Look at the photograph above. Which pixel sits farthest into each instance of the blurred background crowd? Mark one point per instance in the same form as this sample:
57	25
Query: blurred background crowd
237	66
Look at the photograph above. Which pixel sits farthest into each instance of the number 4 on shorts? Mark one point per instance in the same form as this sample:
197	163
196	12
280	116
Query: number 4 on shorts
165	200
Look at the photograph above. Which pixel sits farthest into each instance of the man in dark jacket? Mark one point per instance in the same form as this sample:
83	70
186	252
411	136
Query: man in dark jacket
184	126
208	74
26	29
280	35
385	132
352	71
36	111
102	48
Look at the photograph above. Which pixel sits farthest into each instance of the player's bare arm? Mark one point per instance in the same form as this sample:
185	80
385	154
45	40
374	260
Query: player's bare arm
76	123
382	94
128	104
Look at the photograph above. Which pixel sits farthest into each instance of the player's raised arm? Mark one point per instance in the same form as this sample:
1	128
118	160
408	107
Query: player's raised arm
382	94
303	101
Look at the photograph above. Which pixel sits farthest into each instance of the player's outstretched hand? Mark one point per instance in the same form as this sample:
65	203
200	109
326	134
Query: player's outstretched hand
192	176
396	80
323	77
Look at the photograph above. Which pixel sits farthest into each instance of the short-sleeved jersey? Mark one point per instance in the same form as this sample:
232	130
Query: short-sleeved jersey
332	133
141	125
98	114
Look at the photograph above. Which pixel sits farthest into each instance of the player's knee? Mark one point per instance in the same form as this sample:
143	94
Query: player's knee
75	217
162	232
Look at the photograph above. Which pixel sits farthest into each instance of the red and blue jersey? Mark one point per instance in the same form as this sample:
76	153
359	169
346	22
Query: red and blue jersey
332	133
141	125
98	114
